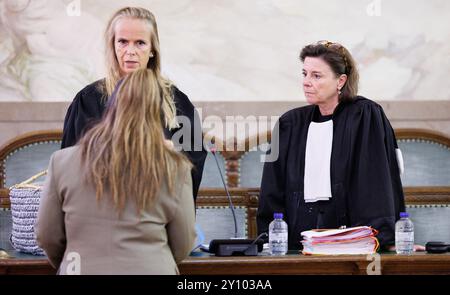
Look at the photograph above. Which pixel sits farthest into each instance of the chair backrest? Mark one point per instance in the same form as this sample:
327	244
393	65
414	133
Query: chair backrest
431	222
429	209
217	222
426	156
214	216
427	175
251	168
5	229
211	176
228	159
27	155
251	163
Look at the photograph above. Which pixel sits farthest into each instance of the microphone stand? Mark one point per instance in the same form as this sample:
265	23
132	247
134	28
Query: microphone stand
236	246
213	151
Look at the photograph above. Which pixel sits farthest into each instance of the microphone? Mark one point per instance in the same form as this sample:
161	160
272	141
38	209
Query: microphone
234	246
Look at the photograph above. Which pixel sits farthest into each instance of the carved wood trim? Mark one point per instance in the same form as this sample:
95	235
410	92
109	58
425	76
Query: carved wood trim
4	198
249	196
240	197
423	134
427	195
24	140
256	140
232	167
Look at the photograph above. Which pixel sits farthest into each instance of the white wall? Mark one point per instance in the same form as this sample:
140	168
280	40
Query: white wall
231	50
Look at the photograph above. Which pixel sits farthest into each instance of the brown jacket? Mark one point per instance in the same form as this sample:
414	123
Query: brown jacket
81	235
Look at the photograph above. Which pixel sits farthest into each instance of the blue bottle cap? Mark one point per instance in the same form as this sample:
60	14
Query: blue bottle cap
404	214
278	215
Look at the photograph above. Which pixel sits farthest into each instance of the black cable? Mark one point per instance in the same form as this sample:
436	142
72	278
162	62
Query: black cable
255	240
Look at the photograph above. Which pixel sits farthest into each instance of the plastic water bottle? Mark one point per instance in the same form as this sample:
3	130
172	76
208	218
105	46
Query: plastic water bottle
278	235
404	235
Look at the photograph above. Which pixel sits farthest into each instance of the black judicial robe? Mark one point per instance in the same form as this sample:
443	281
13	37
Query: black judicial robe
365	179
89	105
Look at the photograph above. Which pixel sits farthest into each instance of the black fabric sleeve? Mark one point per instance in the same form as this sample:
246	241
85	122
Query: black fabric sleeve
195	151
273	183
396	182
84	111
69	137
375	193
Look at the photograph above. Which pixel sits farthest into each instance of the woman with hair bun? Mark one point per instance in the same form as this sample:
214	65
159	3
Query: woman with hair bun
338	160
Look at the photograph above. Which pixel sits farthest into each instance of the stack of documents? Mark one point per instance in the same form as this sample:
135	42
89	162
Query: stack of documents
354	240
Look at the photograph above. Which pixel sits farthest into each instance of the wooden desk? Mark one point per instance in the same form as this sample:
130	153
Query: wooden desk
26	267
418	263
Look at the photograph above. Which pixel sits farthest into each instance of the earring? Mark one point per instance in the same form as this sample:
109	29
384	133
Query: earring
339	91
151	54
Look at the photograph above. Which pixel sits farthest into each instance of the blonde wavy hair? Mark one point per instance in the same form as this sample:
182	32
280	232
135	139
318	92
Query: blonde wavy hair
154	64
126	151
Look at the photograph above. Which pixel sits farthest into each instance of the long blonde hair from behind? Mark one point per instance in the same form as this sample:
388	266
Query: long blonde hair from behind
126	152
154	63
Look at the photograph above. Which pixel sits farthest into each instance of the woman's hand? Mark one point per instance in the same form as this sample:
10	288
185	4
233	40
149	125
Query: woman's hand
419	248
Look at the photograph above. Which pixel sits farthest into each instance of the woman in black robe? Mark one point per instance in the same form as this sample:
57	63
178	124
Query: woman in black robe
132	42
338	161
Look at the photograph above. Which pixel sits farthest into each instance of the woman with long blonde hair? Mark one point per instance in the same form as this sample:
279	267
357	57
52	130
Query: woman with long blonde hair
132	211
132	43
